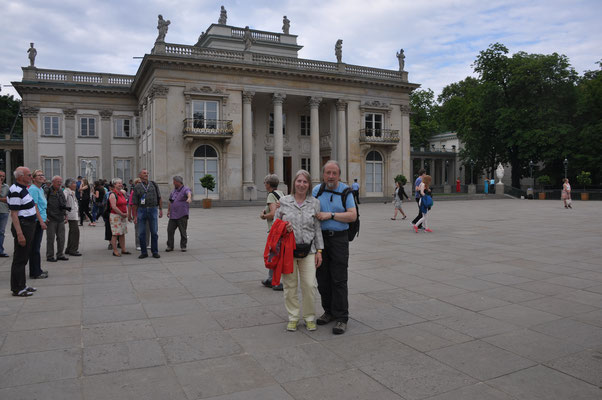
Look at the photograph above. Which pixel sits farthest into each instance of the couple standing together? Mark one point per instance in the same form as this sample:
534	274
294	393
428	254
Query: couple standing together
320	221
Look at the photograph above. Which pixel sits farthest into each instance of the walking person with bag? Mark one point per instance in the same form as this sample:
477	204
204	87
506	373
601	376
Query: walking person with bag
300	210
398	199
274	195
425	203
421	175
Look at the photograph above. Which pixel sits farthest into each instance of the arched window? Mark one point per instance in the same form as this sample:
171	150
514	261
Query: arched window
374	172
205	162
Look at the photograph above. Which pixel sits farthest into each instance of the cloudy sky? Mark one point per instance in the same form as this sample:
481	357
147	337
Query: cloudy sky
441	38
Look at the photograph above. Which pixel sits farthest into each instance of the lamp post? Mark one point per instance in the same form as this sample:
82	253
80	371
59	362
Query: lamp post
566	165
531	172
446	171
471	167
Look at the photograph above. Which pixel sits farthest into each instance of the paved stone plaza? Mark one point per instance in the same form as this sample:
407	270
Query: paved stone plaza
502	301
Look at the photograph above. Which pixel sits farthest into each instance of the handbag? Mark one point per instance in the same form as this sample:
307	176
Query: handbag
302	250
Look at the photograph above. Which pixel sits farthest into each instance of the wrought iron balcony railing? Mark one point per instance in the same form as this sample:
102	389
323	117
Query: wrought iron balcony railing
379	136
214	128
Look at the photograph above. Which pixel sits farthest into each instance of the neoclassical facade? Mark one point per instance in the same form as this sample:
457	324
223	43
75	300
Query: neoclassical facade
238	104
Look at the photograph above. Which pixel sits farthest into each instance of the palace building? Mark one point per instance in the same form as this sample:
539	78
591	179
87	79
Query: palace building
238	104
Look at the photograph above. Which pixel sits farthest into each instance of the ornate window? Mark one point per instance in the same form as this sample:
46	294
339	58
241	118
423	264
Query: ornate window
51	125
123	127
374	172
305	125
205	114
374	124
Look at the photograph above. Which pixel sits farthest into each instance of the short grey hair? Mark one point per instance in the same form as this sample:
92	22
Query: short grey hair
18	173
69	181
307	176
115	180
178	178
331	162
272	180
56	177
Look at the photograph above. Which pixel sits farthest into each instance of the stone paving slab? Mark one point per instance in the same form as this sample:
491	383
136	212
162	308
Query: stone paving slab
503	301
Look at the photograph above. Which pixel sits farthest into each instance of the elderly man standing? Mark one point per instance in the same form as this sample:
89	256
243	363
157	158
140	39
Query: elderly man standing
332	275
177	212
4	189
145	200
56	213
23	214
72	217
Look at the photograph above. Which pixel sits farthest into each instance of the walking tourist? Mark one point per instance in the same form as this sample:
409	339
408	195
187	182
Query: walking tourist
84	203
566	193
118	217
398	199
332	275
36	191
421	175
146	199
4	189
177	212
356	191
72	217
57	218
97	196
274	195
23	214
425	202
300	211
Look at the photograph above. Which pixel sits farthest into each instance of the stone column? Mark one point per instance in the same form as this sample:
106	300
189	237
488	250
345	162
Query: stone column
404	140
30	137
106	162
248	186
314	121
8	167
342	138
159	166
277	100
70	161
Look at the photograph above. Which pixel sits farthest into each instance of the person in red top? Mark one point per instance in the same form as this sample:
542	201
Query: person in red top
118	217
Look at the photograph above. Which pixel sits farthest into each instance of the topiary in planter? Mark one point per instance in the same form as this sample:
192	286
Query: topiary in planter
542	181
207	182
401	179
584	179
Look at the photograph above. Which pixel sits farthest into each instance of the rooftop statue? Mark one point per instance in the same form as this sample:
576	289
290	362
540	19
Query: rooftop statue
248	38
286	25
338	50
401	58
32	55
223	16
162	27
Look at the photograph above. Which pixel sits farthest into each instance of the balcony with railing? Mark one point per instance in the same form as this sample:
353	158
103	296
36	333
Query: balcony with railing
198	128
382	137
75	77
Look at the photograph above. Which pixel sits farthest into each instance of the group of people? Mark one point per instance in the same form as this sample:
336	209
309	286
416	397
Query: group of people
318	219
35	206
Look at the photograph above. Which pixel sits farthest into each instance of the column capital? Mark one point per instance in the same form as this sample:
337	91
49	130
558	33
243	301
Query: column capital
314	102
247	97
7	150
106	114
29	112
278	98
158	91
405	109
341	105
69	113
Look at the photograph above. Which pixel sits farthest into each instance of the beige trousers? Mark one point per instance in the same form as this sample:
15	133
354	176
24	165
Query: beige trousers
304	271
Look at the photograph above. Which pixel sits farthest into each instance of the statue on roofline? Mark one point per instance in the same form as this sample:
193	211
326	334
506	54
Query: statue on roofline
223	16
338	50
401	58
32	53
248	38
286	25
162	27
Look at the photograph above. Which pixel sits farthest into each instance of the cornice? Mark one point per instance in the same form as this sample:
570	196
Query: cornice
57	87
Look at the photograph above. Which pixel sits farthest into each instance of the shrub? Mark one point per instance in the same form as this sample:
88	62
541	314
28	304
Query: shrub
401	179
208	182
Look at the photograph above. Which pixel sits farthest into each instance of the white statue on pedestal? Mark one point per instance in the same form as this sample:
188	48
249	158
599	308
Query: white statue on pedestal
499	172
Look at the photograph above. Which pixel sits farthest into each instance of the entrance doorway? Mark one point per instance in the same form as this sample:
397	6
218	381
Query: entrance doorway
206	162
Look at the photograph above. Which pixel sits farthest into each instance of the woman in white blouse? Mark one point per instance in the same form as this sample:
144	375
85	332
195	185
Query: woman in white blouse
299	210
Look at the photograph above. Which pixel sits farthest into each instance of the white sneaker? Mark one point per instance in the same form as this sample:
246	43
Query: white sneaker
138	248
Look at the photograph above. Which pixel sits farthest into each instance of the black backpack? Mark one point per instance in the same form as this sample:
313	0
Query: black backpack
354	227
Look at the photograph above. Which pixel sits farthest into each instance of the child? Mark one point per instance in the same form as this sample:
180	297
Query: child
425	203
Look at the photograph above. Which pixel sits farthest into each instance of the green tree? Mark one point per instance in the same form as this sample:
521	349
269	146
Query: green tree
423	118
9	109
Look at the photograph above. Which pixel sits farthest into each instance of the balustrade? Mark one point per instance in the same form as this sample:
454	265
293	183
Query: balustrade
379	136
198	127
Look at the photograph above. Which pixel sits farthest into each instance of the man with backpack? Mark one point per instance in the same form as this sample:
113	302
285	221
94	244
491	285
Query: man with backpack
271	185
337	212
145	200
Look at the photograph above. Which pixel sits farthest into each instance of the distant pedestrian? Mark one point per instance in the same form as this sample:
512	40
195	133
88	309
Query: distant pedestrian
118	217
486	186
36	190
72	217
421	175
270	183
57	218
4	189
146	199
424	202
458	187
566	193
355	187
398	199
84	203
178	210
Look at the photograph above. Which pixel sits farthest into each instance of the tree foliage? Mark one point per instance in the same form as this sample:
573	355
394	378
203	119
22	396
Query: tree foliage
423	119
9	109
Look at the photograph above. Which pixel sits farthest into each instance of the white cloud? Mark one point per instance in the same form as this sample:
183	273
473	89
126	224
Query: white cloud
441	38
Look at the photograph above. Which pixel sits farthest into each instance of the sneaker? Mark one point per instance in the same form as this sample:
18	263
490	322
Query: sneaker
428	230
339	328
143	255
167	250
138	248
291	326
156	255
415	229
43	275
310	325
324	319
267	283
278	288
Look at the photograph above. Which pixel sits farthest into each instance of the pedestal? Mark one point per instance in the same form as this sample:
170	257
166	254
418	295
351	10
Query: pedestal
249	191
446	188
472	189
499	189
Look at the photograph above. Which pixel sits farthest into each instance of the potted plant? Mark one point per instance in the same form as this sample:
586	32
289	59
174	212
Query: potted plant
401	179
542	181
584	179
207	182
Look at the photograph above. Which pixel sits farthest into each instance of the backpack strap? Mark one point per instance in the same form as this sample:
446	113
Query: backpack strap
276	195
321	190
156	190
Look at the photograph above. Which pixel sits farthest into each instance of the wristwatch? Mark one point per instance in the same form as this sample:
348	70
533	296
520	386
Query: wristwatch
331	215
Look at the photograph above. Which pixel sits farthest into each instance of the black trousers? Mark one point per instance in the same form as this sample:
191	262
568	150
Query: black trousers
332	276
419	214
84	211
181	224
21	254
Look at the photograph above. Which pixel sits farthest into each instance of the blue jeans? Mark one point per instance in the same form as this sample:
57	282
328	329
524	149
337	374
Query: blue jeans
35	259
148	215
94	211
3	221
